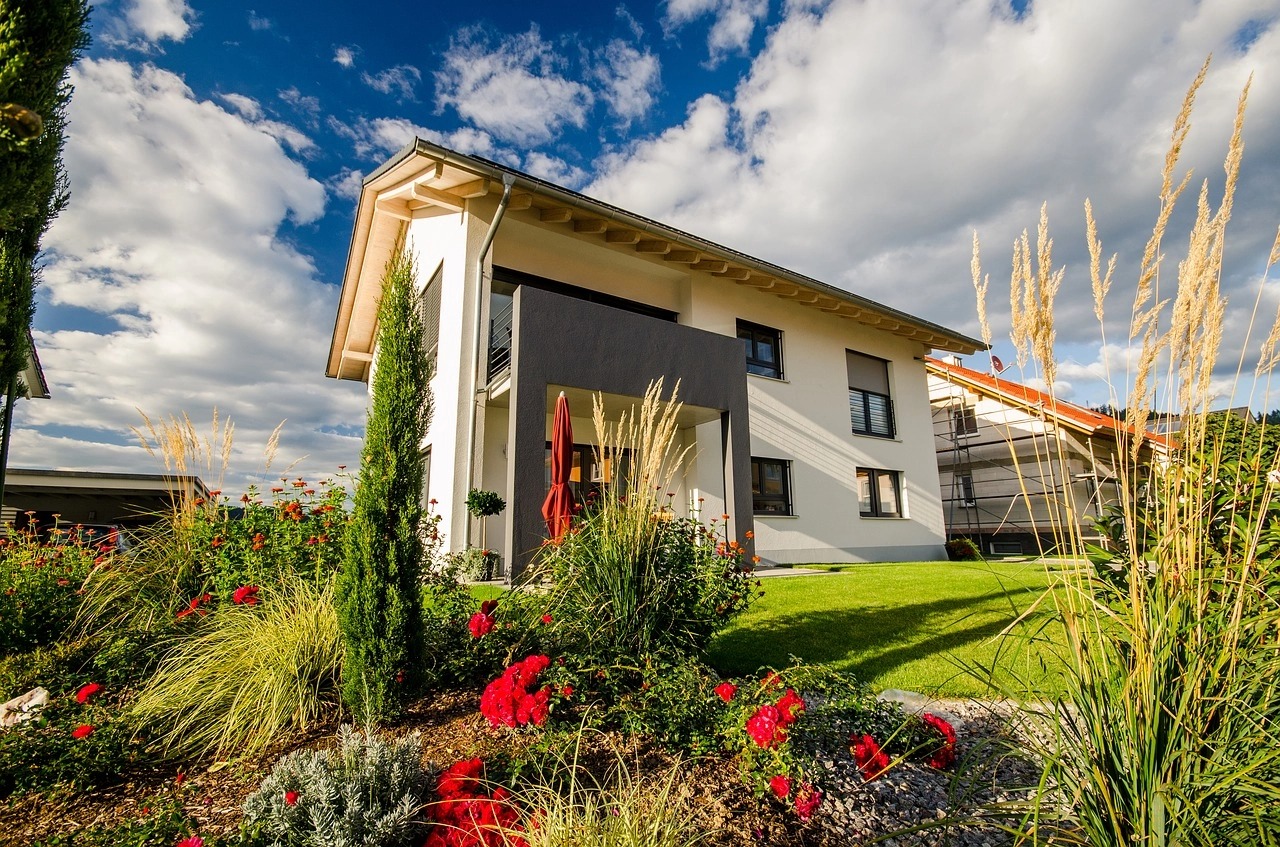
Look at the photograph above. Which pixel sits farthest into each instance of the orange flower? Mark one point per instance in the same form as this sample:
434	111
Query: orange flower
750	534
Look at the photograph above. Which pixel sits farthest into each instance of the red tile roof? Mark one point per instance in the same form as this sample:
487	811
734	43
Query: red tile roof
1022	395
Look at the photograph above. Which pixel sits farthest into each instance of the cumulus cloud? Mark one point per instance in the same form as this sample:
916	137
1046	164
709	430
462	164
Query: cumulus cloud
259	23
629	80
510	86
346	183
307	105
554	169
147	22
733	22
868	140
345	56
375	138
173	244
399	81
251	110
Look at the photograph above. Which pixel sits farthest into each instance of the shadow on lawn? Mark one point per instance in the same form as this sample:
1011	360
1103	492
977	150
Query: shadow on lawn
870	641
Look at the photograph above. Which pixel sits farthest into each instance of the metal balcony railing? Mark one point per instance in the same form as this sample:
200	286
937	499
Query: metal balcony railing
500	337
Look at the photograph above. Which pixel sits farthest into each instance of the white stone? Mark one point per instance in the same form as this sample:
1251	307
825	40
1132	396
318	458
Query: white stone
23	707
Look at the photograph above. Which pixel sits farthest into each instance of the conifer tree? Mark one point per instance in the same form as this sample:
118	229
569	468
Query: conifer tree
379	607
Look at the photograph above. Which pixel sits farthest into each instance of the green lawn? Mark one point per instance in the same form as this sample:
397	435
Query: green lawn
924	626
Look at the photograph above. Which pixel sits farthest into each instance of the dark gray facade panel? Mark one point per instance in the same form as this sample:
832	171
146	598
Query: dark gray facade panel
562	341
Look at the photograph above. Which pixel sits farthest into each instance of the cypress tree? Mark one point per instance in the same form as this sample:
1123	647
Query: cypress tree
379	606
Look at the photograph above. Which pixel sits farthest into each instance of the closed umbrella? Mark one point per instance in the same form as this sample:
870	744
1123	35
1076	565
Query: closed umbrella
558	508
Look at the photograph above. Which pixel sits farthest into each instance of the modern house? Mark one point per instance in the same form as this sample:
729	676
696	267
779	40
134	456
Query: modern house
92	497
1016	464
805	406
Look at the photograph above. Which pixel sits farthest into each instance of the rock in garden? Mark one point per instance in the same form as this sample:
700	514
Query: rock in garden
24	707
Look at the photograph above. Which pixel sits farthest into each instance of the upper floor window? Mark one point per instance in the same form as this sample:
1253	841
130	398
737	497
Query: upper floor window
770	486
431	318
964	420
764	349
879	493
870	406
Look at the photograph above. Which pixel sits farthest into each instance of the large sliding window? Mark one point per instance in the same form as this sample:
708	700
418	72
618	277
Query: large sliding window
879	493
870	406
770	486
764	349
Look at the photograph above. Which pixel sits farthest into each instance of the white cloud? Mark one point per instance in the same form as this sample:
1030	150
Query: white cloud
733	24
554	169
259	23
346	183
377	137
868	140
306	104
630	80
345	56
248	107
172	240
399	81
512	89
156	20
251	111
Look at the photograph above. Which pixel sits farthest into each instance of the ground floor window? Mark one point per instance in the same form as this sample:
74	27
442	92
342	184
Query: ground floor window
770	486
879	493
588	475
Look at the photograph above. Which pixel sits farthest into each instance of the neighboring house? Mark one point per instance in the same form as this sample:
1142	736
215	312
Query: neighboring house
996	439
90	497
816	438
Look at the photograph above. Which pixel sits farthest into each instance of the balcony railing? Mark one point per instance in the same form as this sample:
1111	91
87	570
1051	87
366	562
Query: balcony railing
500	335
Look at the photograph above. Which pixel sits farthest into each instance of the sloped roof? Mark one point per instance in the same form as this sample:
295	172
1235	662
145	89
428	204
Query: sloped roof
1084	419
424	174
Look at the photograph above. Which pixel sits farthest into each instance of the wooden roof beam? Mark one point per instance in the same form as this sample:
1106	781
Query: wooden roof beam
474	188
735	273
590	225
622	236
684	257
519	202
655	246
713	266
394	208
556	215
436	197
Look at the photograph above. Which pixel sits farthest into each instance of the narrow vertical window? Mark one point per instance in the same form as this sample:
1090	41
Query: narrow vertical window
431	317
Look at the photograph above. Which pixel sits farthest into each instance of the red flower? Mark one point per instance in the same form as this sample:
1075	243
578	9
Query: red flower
180	778
944	755
217	492
399	676
87	691
480	625
195	604
871	760
807	800
726	691
246	595
546	619
567	691
216	542
764	727
291	798
460	778
788	706
780	785
772	680
84	730
192	841
488	607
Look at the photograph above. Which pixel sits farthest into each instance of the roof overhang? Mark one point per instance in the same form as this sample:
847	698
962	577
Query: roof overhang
425	179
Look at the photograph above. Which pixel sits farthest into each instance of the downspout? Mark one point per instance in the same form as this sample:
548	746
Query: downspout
508	180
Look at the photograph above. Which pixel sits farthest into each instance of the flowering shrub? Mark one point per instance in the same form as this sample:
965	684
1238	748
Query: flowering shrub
40	581
367	791
467	816
868	756
514	699
943	754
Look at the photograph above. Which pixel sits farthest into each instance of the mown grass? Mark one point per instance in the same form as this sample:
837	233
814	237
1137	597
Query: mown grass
932	627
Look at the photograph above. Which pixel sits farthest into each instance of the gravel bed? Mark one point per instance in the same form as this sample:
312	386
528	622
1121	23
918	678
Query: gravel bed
992	767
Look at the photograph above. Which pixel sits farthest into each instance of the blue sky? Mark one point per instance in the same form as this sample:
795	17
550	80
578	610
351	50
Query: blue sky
215	150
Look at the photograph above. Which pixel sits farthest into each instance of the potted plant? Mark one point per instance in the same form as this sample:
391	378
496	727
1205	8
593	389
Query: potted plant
483	505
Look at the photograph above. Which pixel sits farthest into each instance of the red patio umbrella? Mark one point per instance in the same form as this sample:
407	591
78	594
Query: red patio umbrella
558	508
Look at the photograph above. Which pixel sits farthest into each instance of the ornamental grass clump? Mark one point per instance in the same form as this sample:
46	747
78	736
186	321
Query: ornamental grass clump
630	578
245	675
366	792
1166	731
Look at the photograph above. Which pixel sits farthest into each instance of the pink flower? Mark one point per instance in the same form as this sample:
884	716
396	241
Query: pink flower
192	841
807	800
84	730
87	691
780	785
480	625
291	798
726	691
871	760
246	595
944	755
764	728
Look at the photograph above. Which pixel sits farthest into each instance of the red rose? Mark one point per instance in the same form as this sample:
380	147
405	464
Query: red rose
726	690
245	595
84	730
192	841
480	625
807	800
87	691
871	760
567	691
780	785
944	755
788	706
764	729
